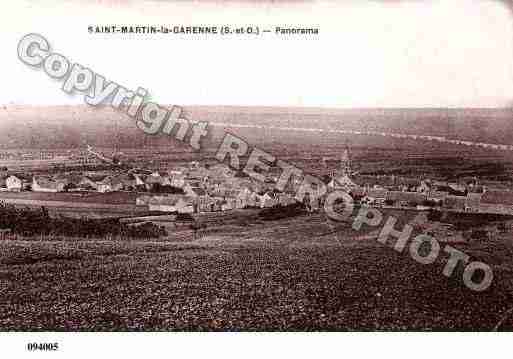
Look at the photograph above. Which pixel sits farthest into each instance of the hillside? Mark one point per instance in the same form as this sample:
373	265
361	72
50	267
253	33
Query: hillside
71	126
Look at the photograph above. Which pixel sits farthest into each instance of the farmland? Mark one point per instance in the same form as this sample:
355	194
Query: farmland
78	204
82	197
291	274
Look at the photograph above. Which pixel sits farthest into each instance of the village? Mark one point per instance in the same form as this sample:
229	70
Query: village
202	187
184	189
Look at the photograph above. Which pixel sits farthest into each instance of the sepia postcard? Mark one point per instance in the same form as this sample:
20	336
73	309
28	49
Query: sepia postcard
272	167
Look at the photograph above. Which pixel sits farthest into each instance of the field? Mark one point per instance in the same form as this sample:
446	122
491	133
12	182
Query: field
292	274
78	204
83	197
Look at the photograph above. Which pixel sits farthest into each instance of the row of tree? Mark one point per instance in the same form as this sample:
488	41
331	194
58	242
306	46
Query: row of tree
35	222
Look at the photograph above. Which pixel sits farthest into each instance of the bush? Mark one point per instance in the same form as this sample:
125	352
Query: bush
479	234
280	212
184	217
31	222
435	216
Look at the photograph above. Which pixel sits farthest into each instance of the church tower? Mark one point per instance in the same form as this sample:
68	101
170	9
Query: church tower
341	176
345	162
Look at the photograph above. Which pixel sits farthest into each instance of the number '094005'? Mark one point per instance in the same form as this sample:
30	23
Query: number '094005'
42	346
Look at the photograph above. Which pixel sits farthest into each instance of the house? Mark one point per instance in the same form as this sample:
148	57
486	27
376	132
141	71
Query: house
406	199
218	189
176	171
173	203
177	180
142	200
439	185
252	200
242	198
14	184
473	202
110	184
194	191
117	184
238	196
228	204
314	204
424	187
129	182
153	183
285	199
375	197
220	171
217	203
357	193
457	189
3	184
158	174
457	203
166	181
87	183
343	182
41	184
140	185
410	184
198	173
454	189
497	201
437	196
385	182
267	200
69	180
104	187
205	204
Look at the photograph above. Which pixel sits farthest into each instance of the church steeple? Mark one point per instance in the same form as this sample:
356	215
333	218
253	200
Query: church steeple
345	162
341	176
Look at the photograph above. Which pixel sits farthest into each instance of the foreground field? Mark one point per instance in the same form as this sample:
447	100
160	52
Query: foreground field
293	274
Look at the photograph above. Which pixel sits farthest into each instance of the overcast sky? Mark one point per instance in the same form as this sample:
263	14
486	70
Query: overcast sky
368	54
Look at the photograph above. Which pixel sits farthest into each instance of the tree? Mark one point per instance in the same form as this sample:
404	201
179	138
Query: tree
196	227
44	212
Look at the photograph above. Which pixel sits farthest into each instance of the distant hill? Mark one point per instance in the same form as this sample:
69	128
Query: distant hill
73	126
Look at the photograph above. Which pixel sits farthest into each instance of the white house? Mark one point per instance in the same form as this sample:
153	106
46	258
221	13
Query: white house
180	204
177	180
496	201
142	200
375	197
242	196
267	200
40	184
86	183
194	191
104	187
14	184
252	200
342	182
228	204
139	181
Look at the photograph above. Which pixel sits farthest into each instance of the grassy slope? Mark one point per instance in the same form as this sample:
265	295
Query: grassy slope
292	274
